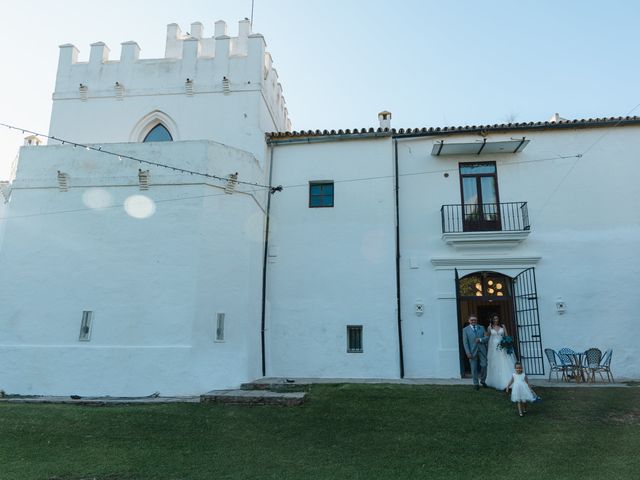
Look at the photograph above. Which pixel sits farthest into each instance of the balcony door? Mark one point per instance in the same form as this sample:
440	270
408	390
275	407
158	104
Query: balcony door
480	201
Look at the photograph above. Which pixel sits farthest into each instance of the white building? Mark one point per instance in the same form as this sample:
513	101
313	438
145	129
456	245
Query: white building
124	277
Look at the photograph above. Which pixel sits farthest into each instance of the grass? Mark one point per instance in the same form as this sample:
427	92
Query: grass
343	432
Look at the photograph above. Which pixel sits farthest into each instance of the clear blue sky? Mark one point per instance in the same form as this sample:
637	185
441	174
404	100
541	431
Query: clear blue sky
431	63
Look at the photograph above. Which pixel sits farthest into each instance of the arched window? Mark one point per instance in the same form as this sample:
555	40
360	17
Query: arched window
159	133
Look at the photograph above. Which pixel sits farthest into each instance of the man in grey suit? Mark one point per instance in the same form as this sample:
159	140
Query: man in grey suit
475	346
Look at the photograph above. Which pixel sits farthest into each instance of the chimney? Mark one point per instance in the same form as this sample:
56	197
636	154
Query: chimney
32	140
385	119
555	118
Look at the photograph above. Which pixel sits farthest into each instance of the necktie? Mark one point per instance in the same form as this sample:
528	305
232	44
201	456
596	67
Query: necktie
474	329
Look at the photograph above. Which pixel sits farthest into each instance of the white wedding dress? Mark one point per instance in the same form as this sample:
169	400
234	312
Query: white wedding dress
500	365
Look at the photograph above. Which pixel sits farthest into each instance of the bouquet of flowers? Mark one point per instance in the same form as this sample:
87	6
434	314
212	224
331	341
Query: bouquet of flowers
506	344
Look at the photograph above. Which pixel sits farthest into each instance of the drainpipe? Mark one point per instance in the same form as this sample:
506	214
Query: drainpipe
397	177
264	264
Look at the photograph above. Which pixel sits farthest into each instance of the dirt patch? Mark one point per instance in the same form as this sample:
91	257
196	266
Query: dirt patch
627	418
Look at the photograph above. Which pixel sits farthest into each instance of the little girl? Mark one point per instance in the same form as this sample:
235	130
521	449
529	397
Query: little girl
521	391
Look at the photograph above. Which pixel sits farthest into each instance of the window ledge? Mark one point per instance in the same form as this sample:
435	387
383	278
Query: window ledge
485	240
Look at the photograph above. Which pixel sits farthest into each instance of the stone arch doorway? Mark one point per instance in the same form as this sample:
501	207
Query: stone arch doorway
484	293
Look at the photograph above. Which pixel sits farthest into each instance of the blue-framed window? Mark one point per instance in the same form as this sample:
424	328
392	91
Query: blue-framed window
159	133
320	194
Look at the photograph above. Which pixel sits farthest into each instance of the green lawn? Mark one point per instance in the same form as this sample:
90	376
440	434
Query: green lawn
342	432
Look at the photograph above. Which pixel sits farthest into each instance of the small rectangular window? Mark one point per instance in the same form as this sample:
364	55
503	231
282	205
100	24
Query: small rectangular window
220	327
85	326
354	338
321	194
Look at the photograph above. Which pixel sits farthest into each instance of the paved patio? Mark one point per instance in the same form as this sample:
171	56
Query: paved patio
257	392
279	382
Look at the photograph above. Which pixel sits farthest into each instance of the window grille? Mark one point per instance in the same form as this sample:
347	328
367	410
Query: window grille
220	327
354	338
85	326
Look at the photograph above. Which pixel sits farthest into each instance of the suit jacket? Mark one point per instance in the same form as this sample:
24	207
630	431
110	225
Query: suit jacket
469	341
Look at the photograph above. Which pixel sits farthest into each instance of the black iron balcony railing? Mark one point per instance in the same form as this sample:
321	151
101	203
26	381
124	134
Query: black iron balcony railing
485	217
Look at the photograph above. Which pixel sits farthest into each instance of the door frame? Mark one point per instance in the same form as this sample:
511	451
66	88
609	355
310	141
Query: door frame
480	224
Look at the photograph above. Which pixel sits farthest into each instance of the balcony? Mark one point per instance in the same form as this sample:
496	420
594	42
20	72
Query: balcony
487	225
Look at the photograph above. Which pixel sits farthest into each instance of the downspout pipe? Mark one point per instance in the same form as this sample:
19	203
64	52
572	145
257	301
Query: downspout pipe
264	265
398	306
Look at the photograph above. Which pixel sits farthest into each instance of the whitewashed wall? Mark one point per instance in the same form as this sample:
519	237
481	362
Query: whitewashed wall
119	98
154	284
332	267
585	228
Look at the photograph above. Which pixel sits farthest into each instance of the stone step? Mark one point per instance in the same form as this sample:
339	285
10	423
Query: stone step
280	385
254	397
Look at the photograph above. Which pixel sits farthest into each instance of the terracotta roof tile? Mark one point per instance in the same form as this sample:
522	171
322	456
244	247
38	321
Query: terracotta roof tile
545	125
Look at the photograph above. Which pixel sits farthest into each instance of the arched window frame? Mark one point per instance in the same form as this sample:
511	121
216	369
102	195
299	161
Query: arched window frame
161	128
148	123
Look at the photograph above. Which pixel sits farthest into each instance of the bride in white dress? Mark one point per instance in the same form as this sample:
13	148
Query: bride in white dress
500	365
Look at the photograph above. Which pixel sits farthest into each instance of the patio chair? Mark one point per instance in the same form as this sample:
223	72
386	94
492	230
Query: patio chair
553	364
605	365
593	357
567	360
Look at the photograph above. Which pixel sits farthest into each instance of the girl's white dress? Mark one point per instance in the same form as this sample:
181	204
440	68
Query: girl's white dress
499	363
520	391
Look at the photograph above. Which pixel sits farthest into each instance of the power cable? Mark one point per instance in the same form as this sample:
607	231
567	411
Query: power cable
579	156
140	160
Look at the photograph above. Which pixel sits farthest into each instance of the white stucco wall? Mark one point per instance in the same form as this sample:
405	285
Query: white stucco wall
332	267
156	280
121	96
154	284
585	227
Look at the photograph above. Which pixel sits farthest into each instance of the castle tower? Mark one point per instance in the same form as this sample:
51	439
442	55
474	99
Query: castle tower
220	88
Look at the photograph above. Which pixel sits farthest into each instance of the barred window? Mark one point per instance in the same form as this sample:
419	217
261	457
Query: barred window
354	338
85	326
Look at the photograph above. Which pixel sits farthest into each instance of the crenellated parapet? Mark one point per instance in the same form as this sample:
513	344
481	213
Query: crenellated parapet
193	64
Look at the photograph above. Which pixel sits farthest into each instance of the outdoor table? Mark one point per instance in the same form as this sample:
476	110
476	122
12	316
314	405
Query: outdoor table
577	366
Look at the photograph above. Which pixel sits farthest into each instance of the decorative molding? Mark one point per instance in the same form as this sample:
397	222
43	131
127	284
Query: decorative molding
146	124
484	263
485	240
119	91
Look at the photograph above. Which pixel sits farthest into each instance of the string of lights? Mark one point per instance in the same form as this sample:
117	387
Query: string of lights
280	188
120	156
441	170
287	187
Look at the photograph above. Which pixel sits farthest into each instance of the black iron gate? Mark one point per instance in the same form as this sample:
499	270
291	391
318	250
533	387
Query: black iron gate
525	302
